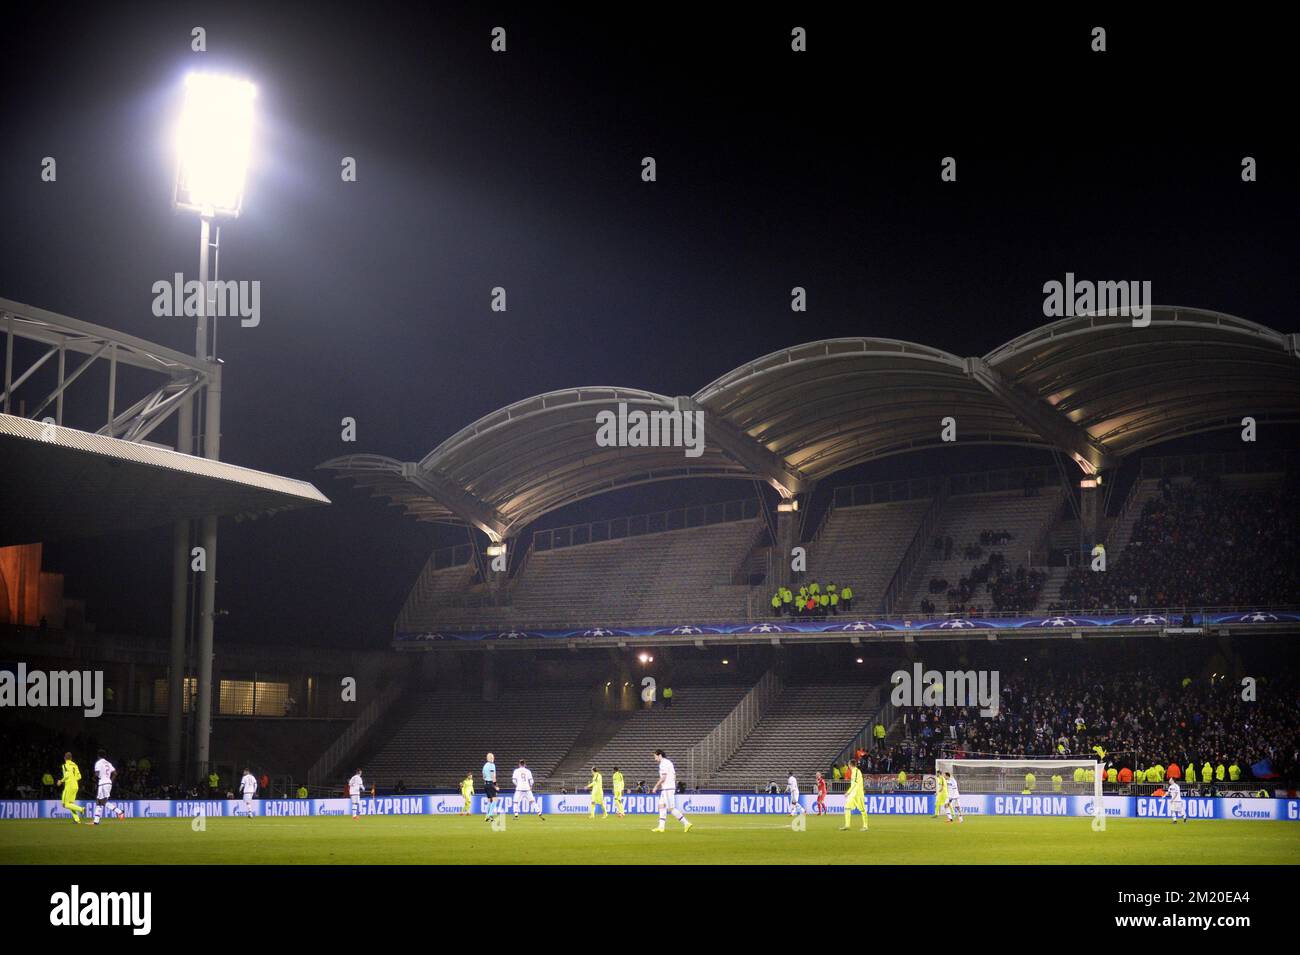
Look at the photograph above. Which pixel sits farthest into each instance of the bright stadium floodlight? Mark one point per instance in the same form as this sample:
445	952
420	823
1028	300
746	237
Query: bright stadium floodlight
213	143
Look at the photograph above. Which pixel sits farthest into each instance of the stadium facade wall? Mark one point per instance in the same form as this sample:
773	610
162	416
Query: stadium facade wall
705	803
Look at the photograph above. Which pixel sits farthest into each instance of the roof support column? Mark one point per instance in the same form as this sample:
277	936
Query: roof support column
1042	417
1092	514
745	451
496	568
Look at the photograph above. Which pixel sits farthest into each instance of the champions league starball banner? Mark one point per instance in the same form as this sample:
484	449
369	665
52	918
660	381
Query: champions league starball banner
846	624
1240	809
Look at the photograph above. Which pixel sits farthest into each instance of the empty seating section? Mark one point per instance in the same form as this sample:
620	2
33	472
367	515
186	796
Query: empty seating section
426	604
681	575
862	547
963	519
802	732
686	575
695	711
444	737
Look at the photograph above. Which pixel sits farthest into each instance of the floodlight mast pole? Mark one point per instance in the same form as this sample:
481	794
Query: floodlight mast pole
211	441
209	444
180	607
198	190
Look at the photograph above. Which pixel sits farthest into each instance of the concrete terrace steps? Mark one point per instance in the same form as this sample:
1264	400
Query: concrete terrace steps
862	547
801	732
675	729
666	574
445	736
964	517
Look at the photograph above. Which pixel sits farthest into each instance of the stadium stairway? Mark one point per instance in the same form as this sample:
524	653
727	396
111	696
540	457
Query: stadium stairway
863	546
374	739
598	731
1051	592
431	595
802	732
695	711
1121	530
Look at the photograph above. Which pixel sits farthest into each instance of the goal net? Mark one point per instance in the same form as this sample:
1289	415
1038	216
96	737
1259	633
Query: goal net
1033	777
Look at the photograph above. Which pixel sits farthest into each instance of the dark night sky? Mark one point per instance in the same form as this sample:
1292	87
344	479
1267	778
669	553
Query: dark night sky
522	170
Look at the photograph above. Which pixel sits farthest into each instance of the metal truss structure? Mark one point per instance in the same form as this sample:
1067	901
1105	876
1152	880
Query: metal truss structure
58	338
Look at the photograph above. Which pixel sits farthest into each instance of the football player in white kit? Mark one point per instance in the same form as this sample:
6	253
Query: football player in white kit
792	787
1176	808
954	797
248	787
523	779
104	775
355	785
666	786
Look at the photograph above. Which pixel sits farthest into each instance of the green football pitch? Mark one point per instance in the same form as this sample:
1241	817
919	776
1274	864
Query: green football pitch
760	840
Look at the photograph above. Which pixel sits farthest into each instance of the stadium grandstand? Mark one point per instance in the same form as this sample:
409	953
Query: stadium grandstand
938	557
751	628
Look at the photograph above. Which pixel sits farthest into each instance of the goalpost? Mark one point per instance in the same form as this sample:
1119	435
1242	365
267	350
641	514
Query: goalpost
1008	776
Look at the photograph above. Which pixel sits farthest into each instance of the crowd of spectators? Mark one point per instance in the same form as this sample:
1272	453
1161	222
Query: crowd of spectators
1007	590
33	760
32	751
1137	719
1196	545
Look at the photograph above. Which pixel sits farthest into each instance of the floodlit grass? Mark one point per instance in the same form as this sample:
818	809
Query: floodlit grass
763	840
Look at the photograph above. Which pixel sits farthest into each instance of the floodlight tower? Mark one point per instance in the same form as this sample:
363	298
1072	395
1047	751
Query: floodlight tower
213	144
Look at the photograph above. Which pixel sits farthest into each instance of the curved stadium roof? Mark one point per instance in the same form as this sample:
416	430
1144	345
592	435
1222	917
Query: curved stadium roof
1093	386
